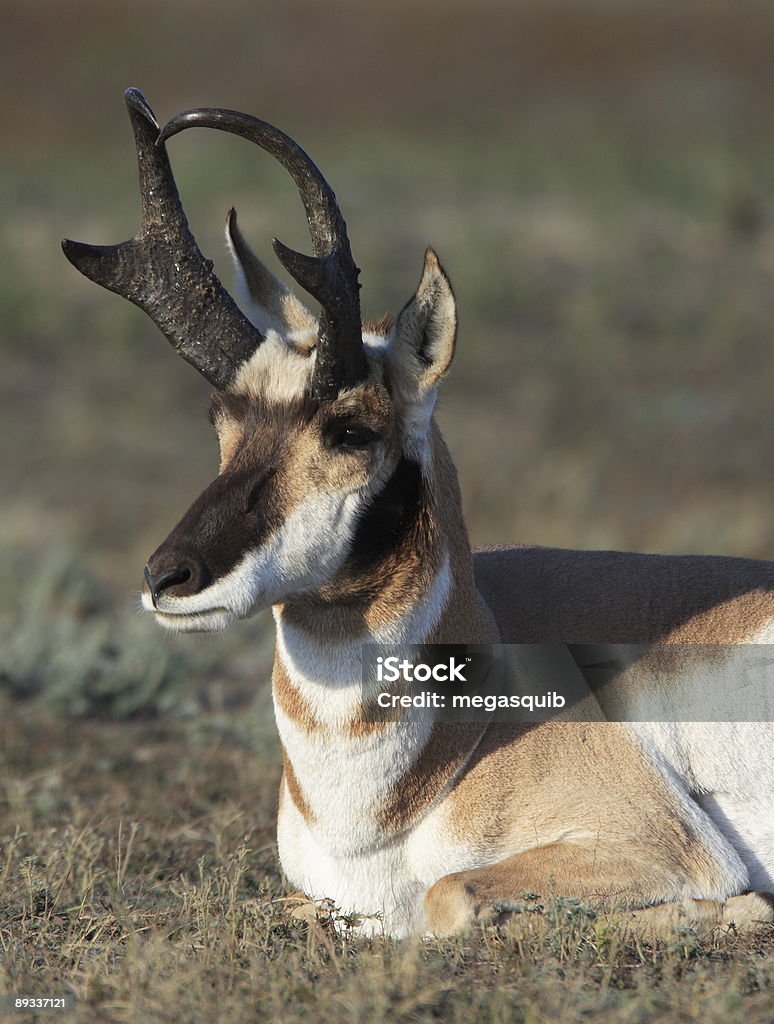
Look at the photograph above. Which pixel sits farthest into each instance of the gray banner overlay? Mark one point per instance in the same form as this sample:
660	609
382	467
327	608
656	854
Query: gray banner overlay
570	682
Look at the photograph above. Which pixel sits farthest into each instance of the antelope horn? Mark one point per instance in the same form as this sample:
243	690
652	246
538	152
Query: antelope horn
330	275
163	271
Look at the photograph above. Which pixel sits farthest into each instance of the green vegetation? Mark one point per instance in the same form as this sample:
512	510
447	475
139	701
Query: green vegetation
599	181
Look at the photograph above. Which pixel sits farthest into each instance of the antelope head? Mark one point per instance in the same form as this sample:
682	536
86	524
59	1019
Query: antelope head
325	429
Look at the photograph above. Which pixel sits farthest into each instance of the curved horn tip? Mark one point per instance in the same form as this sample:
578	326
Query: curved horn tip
188	118
136	101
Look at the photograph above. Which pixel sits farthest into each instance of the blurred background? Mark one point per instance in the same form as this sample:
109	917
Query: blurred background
598	178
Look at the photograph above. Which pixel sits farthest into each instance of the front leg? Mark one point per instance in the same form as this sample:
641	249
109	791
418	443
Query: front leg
602	879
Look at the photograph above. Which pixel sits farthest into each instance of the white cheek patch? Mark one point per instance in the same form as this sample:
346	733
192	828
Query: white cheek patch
304	553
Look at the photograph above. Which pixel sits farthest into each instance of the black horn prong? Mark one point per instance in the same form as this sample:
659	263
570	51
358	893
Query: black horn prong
309	271
163	271
93	260
330	275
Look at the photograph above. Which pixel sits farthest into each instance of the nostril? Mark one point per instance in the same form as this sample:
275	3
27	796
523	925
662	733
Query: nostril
169	578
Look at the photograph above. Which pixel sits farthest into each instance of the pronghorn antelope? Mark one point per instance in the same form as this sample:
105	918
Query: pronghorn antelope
337	505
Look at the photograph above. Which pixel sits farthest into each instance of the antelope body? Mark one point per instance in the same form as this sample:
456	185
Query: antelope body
337	505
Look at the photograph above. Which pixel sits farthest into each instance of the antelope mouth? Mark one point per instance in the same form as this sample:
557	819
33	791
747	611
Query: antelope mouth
211	620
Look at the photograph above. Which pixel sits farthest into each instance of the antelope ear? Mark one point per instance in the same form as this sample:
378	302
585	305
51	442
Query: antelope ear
264	299
425	333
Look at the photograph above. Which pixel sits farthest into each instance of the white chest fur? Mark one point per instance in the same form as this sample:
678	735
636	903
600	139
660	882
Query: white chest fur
339	848
383	886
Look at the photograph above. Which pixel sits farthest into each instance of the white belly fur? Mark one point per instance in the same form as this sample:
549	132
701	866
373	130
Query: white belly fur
728	769
747	824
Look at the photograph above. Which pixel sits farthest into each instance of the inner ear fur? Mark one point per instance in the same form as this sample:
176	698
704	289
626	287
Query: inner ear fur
264	299
425	332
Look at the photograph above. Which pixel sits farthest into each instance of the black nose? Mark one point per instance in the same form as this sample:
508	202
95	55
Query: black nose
166	579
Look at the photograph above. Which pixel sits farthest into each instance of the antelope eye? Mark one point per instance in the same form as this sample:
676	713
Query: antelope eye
351	436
